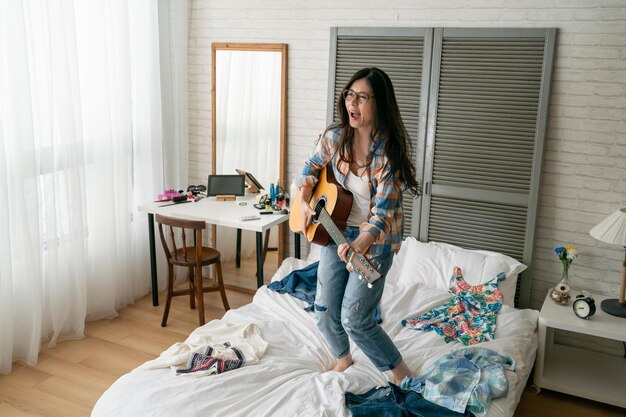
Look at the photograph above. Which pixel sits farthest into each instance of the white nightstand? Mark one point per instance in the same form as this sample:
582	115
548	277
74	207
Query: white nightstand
575	371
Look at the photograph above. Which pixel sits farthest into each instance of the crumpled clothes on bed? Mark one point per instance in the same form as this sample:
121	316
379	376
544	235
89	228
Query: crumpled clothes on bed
392	401
213	348
302	284
215	360
470	317
464	379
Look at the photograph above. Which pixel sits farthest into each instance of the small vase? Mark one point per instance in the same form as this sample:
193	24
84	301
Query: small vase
560	293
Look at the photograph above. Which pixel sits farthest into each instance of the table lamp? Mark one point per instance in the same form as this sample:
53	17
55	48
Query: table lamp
613	230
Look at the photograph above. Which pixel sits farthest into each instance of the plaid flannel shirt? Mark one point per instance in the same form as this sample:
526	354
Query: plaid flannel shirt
386	219
468	378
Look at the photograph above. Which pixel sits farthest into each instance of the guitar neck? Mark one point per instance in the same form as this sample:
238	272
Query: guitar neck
361	265
331	227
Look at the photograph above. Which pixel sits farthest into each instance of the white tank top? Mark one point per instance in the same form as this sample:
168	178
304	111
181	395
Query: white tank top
360	189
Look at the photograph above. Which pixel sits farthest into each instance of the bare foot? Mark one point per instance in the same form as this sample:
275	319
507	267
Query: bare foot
399	372
342	364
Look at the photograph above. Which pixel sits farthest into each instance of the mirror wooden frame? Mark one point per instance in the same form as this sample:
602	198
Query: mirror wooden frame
269	47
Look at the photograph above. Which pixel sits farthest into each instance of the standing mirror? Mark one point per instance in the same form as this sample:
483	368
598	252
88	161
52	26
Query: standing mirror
249	98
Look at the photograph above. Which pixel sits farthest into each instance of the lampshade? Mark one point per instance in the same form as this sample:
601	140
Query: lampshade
613	230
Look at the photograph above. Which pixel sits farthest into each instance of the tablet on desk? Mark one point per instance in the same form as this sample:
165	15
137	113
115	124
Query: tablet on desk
253	184
226	185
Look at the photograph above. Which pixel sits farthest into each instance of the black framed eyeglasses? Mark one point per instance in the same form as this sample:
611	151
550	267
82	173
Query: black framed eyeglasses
196	189
361	97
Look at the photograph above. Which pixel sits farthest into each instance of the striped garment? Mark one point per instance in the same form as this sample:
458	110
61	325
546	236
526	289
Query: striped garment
386	218
214	348
213	365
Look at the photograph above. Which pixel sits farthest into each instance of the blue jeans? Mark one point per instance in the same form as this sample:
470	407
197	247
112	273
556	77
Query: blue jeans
345	306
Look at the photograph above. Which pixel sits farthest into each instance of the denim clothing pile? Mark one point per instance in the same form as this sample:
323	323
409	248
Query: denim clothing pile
300	284
392	401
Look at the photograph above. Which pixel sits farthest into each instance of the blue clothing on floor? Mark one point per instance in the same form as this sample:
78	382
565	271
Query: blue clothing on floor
302	284
392	401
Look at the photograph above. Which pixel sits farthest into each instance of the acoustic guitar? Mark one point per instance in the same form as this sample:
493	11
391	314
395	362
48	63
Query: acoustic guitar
332	205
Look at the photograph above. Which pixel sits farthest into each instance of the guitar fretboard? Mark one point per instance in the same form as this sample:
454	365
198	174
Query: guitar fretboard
331	227
362	267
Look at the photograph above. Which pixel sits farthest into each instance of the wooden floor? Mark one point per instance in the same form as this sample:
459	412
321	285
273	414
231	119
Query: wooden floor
68	380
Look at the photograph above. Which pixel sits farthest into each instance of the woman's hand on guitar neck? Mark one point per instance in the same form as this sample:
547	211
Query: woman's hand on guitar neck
360	245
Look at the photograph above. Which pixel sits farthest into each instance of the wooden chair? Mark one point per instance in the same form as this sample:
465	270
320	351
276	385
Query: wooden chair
194	257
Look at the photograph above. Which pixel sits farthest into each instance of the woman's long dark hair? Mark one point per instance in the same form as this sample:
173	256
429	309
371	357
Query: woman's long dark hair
388	124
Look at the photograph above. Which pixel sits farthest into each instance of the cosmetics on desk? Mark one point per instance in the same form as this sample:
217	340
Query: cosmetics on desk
272	195
283	211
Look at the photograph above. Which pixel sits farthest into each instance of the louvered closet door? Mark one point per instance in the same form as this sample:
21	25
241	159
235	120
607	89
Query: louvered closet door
403	54
486	123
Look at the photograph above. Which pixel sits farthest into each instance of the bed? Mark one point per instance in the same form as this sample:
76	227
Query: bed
289	379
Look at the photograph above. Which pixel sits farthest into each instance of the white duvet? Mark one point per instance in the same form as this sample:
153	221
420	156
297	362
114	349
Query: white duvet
290	378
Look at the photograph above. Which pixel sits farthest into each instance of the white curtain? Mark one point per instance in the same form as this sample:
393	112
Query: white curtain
80	148
173	38
248	93
173	31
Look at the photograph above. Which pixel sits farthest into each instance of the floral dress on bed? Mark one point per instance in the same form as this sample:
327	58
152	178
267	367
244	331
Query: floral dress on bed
470	317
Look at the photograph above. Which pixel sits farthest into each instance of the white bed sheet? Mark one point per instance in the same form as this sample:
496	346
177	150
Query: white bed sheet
290	380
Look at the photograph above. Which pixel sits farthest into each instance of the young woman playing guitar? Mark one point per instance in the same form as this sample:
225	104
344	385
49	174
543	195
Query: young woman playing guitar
367	153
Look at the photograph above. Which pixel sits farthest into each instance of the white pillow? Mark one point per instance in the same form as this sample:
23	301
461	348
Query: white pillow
432	264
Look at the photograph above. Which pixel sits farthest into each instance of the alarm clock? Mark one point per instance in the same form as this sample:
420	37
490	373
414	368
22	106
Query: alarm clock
584	306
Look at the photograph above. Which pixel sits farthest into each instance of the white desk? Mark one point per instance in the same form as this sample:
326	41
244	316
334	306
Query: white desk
219	213
576	371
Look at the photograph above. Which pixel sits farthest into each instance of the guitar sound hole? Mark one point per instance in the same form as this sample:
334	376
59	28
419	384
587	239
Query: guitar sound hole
319	205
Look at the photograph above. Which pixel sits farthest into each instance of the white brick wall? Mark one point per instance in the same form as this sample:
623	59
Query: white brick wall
584	174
